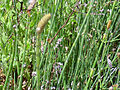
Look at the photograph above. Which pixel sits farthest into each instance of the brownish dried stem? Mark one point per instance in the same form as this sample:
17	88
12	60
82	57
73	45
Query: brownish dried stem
8	39
62	27
21	7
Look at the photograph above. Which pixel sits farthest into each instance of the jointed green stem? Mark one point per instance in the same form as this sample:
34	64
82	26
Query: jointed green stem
75	43
22	68
38	61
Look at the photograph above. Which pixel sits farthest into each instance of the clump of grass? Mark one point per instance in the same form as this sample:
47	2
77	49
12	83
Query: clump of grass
84	55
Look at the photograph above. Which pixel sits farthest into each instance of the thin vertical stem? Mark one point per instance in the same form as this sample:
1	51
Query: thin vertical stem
79	33
38	61
22	68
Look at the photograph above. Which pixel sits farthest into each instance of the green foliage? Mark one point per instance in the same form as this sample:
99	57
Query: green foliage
78	56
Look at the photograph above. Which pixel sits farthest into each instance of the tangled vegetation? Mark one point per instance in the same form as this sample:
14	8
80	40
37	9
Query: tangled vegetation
77	47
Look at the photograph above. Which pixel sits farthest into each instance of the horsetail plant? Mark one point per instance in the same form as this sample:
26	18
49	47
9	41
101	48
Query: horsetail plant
39	30
97	55
23	61
14	56
78	35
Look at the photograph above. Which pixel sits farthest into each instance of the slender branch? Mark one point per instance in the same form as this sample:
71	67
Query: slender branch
62	27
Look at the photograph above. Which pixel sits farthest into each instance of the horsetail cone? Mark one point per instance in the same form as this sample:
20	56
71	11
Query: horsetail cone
42	23
32	3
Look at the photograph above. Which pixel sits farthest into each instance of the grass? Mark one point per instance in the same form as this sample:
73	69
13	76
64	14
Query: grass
85	54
